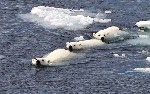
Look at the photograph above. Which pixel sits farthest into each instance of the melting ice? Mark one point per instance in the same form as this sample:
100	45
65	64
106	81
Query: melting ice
50	17
141	40
145	70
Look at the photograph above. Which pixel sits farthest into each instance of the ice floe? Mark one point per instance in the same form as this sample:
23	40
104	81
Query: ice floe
144	25
145	70
69	19
117	55
80	38
148	59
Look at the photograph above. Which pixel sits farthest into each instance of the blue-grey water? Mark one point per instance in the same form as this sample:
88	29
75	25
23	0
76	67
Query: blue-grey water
98	72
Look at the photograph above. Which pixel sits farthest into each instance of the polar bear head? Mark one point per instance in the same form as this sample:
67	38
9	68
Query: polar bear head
39	61
108	32
73	45
100	35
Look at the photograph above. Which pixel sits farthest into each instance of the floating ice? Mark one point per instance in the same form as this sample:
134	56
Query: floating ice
143	24
143	36
108	12
146	70
139	41
143	52
69	19
102	20
148	59
117	55
81	38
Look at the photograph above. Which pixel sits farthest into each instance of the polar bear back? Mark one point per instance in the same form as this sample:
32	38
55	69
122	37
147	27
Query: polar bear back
91	43
112	30
84	44
58	54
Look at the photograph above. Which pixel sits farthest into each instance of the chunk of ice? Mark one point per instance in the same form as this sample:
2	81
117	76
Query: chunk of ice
50	17
81	38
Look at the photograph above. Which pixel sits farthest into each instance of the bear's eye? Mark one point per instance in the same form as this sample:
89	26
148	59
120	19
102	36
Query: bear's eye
74	45
48	61
42	60
104	35
99	35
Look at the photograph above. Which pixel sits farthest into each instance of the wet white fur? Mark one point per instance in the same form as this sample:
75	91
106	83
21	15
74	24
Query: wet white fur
110	31
55	56
84	44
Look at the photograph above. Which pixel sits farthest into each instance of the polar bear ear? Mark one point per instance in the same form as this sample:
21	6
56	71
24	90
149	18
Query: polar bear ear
94	34
80	44
67	43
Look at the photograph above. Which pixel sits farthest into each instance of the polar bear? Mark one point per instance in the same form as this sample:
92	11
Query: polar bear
83	44
110	34
143	25
110	31
53	58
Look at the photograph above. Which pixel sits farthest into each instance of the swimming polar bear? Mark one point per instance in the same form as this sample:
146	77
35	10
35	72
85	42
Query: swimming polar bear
113	30
110	34
83	44
53	58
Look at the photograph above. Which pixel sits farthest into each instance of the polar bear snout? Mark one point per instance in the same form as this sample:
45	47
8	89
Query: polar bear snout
141	28
70	48
36	62
102	38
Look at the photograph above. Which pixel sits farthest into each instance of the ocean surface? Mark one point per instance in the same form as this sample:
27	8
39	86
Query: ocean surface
97	72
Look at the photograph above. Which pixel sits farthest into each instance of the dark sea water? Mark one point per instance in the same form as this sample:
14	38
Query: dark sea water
98	72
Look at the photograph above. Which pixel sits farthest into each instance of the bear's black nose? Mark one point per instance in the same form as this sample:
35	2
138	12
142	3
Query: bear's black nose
70	48
141	28
102	38
38	63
